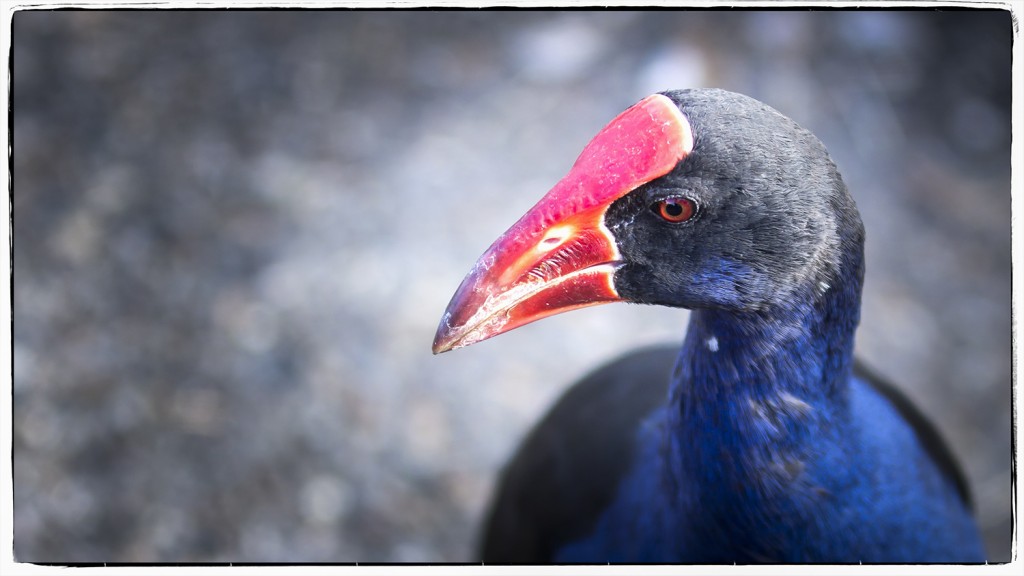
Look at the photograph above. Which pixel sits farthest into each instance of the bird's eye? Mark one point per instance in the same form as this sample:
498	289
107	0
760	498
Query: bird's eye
675	209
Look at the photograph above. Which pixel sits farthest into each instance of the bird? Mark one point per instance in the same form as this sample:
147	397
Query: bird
760	439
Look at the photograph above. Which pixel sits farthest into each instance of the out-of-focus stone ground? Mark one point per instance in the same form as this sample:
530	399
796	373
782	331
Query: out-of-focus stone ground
235	232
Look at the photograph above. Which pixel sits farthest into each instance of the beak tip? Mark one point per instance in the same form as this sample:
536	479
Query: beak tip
443	338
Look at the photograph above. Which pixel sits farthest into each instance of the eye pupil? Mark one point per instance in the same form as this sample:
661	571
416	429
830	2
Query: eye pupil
675	209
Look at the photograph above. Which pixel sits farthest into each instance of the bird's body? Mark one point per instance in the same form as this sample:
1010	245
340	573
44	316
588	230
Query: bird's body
761	444
577	492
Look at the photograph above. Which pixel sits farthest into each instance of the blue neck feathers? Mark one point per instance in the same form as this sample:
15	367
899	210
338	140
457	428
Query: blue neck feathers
757	405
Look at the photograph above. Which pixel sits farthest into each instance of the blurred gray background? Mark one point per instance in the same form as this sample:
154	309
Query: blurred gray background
235	232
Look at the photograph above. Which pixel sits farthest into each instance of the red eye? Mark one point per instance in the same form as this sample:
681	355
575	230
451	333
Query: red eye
676	209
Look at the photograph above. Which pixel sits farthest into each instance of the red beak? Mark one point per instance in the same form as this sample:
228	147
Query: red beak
560	256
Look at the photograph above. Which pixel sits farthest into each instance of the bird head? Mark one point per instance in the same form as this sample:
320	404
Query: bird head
691	198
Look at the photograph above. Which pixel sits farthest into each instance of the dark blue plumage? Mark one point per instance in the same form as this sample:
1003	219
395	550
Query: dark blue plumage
766	444
739	467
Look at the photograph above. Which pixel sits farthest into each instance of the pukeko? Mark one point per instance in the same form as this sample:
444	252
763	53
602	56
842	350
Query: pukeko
760	440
